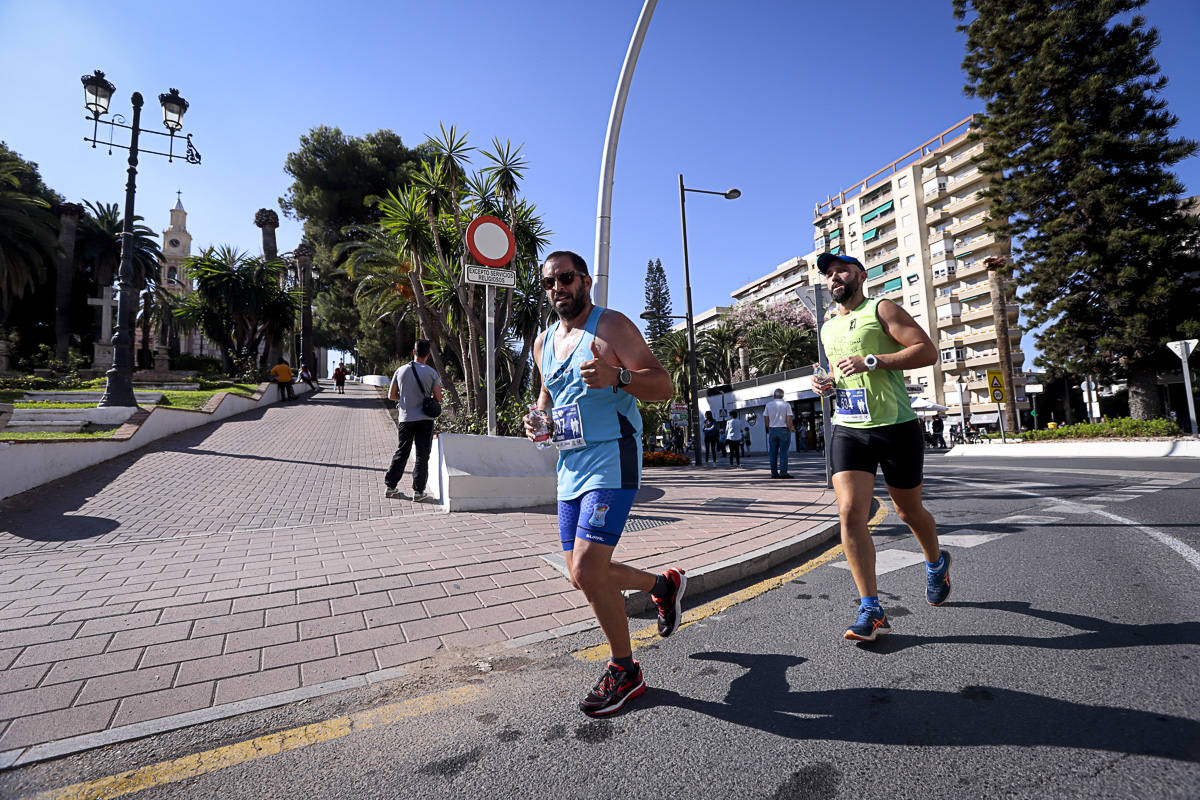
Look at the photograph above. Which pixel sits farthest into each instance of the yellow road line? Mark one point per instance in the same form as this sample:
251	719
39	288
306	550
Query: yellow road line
646	636
196	764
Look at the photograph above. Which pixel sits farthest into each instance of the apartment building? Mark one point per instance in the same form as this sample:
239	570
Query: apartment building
706	319
917	226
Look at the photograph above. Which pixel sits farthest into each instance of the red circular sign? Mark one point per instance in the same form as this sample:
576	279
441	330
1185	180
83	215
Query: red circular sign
490	241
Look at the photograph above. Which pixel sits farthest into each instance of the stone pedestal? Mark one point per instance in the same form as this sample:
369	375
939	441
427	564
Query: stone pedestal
162	360
6	412
102	356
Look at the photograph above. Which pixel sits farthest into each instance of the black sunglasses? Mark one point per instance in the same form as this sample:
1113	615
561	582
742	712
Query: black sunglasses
563	278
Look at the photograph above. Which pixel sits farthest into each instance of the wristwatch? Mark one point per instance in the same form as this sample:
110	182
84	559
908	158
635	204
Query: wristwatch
624	377
872	362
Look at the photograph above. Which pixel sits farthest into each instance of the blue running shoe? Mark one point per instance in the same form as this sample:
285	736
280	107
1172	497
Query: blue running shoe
870	623
937	588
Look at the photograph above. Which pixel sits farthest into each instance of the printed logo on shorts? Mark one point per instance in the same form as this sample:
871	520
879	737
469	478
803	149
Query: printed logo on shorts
598	515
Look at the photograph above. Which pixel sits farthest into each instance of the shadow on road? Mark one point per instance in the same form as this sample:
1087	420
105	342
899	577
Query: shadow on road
973	716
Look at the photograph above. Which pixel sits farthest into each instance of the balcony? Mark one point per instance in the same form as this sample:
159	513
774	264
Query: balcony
974	314
963	204
881	240
940	190
983	359
941	277
966	155
976	267
968	178
949	365
879	255
954	318
936	216
976	243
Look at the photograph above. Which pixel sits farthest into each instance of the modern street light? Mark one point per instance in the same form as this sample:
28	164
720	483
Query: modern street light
97	93
962	406
693	406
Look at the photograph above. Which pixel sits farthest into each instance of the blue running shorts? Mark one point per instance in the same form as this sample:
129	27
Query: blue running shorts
596	516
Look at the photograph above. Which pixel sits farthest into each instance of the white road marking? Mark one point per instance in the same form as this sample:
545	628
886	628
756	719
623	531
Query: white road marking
968	538
1029	519
890	561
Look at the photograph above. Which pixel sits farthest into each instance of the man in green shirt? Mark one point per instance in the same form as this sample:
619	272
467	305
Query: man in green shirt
869	343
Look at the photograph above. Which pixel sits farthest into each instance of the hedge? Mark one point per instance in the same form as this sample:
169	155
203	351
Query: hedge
1122	427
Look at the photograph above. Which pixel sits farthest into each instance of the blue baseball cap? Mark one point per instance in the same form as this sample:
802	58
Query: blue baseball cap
824	260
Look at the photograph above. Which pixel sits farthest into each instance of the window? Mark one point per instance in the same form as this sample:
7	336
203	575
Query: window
875	272
852	231
900	184
914	300
908	240
913	278
906	221
909	261
850	209
904	201
892	285
923	381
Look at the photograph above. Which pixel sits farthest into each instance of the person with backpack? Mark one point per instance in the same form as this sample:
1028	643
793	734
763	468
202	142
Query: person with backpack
416	389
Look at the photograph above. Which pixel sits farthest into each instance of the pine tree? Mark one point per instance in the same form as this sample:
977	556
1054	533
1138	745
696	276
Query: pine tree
1078	138
658	300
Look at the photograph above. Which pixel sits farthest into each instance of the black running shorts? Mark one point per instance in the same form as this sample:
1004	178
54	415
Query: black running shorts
898	449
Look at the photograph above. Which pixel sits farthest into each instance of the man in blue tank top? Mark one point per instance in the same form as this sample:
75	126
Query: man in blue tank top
595	365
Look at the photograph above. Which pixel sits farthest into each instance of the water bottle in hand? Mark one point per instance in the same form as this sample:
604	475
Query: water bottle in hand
541	427
822	376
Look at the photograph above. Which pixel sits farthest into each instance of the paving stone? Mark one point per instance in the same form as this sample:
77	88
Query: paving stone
155	705
91	666
328	626
210	609
185	650
157	634
264	601
330	669
360	602
258	684
484	617
261	637
61	650
451	605
326	592
369	639
473	639
424	628
124	684
393	614
224	666
54	725
296	613
228	624
36	701
122	622
406	653
297	652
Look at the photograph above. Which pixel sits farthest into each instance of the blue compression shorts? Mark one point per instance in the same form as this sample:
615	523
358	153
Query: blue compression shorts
596	516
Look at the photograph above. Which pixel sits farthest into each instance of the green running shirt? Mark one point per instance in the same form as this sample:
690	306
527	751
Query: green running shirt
869	399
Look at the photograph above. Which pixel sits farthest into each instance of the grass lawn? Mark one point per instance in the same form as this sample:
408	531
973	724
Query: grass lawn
197	399
47	404
100	433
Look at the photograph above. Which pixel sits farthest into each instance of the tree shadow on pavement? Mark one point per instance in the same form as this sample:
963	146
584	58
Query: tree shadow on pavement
1098	634
973	716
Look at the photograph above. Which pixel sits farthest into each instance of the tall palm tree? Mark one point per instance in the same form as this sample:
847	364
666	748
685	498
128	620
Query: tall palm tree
98	245
717	352
672	351
778	348
27	237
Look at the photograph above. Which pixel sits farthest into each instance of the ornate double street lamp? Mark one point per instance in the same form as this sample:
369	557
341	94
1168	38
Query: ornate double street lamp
693	406
97	92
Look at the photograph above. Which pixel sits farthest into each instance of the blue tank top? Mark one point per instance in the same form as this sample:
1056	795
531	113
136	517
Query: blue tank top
611	456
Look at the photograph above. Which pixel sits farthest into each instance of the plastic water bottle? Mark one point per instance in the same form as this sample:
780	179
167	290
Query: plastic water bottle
541	428
822	376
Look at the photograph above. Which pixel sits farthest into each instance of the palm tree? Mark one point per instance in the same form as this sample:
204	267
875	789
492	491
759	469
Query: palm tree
717	352
27	237
98	245
777	348
672	351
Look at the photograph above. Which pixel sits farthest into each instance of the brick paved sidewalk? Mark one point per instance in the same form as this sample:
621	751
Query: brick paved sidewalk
244	563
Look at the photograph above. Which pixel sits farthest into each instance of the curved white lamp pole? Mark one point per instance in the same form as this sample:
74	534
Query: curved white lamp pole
608	165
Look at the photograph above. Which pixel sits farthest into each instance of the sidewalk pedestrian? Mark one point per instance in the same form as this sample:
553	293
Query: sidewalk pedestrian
712	436
870	343
281	373
735	429
939	428
307	376
339	379
780	429
581	356
411	388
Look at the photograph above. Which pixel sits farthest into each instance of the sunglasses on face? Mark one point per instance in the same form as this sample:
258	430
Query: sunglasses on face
563	278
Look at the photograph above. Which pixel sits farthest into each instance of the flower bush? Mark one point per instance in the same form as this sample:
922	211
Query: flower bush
1122	427
664	460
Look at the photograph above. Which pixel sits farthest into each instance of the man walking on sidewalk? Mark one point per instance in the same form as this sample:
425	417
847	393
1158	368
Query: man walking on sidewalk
594	363
780	429
411	384
870	342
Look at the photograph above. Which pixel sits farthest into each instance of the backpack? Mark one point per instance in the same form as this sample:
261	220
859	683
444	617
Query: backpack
429	405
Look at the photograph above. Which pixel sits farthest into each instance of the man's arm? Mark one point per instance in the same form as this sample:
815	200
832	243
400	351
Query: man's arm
790	422
919	350
394	390
619	343
545	402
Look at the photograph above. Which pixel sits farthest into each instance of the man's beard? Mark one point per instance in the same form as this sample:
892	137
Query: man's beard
573	308
844	292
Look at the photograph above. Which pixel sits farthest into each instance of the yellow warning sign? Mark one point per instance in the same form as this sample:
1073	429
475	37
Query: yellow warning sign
995	380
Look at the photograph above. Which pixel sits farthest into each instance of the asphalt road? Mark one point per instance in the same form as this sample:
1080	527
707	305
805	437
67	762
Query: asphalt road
1065	665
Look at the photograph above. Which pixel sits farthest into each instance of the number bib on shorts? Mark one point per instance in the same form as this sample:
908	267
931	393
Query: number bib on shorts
852	405
568	427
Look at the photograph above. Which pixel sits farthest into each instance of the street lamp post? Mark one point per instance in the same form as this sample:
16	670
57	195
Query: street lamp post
962	406
693	405
97	92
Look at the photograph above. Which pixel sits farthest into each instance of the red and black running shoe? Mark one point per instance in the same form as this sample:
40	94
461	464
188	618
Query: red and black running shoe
669	611
616	686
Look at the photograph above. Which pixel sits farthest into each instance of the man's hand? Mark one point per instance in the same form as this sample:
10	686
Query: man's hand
531	425
819	386
852	365
598	373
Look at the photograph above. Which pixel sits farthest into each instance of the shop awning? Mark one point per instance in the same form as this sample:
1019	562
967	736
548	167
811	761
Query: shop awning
883	209
984	418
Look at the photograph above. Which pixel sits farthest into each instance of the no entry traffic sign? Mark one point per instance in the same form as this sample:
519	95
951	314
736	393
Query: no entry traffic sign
490	241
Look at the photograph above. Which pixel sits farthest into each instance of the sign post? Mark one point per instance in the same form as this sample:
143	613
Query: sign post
1183	348
490	241
1033	390
998	394
813	298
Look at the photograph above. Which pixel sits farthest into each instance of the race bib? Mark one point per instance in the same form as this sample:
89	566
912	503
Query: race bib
568	427
852	405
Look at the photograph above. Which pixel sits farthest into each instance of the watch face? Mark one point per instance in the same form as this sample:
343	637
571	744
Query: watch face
173	243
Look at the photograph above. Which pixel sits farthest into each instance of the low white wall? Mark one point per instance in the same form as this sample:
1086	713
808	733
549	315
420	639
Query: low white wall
476	473
109	415
1178	448
24	465
376	380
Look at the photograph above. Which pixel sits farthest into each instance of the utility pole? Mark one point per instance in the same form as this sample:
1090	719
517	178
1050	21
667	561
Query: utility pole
1000	322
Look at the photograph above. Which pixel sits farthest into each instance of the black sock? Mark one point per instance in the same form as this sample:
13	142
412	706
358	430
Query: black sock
625	663
662	587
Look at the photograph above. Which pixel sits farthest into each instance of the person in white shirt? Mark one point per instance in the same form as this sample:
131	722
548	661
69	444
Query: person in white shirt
735	430
780	429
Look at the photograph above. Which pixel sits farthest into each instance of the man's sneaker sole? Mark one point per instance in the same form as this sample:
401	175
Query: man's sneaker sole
946	572
851	635
638	691
678	603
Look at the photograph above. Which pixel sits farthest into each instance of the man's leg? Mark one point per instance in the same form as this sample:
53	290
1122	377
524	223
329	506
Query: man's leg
773	451
785	444
400	457
423	436
602	580
918	519
854	490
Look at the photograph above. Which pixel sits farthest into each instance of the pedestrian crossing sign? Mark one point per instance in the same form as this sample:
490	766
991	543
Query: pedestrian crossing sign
995	381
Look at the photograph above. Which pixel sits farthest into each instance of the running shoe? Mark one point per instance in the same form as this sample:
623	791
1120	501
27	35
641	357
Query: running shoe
392	493
937	587
419	497
669	612
870	623
614	688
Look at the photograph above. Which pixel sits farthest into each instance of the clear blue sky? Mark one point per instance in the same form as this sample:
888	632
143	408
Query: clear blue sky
787	101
